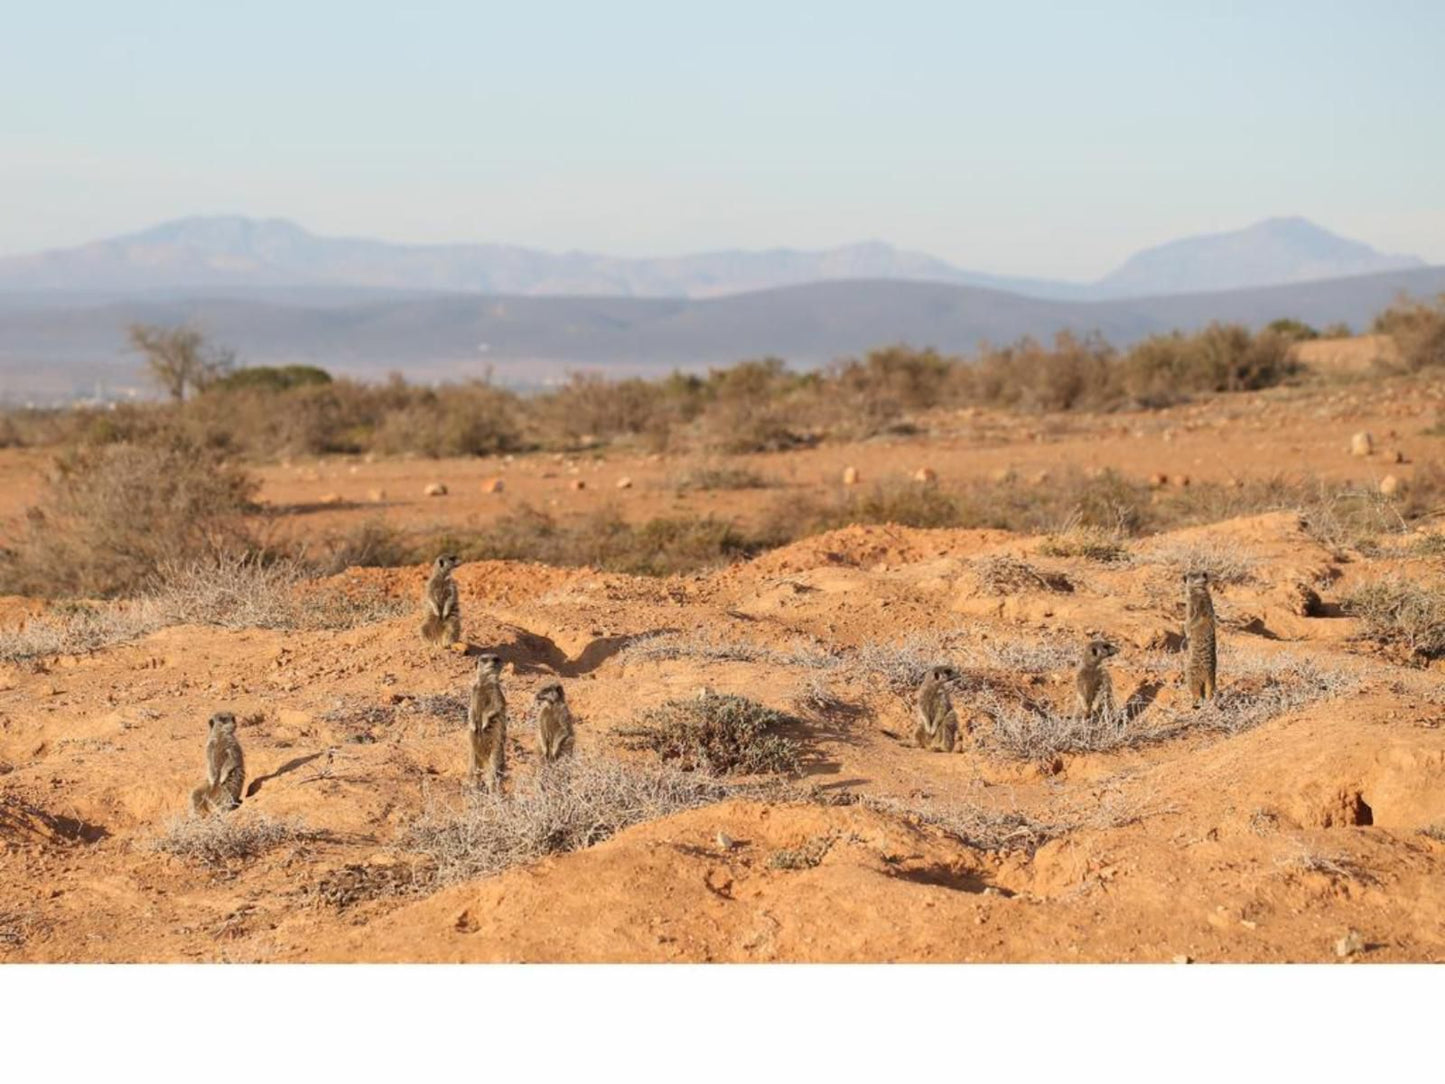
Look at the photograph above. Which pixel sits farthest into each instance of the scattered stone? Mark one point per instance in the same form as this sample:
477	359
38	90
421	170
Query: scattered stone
329	498
1182	959
725	841
1158	479
1362	443
376	496
493	485
1397	456
624	483
850	476
578	483
926	475
1389	485
1041	478
1350	944
435	489
1179	480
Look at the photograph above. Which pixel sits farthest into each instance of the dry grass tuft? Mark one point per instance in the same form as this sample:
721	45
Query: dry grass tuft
221	842
709	478
1090	543
716	733
1005	575
668	646
1226	564
228	592
903	665
1253	690
564	807
1401	613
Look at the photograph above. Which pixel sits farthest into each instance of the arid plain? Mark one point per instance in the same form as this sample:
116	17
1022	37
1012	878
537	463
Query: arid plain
1300	818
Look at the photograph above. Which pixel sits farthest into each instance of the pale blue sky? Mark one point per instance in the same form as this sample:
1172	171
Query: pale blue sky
1046	139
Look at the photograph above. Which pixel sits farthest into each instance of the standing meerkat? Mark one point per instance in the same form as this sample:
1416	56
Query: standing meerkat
1093	687
935	724
556	737
1199	664
225	768
442	603
487	724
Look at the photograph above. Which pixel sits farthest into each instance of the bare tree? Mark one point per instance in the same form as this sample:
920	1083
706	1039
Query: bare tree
179	358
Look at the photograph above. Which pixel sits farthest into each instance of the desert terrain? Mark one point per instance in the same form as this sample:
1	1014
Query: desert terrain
1299	818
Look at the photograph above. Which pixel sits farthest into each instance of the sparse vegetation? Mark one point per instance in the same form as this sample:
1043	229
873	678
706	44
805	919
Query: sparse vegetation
228	592
1001	574
1226	564
713	477
719	734
1253	690
1401	613
114	514
180	359
221	842
1418	328
566	806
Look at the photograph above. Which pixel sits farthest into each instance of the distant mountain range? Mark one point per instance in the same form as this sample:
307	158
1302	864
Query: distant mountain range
59	349
234	256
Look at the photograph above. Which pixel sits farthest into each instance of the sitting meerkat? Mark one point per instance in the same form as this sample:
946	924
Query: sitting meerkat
442	603
225	768
936	725
556	737
1093	687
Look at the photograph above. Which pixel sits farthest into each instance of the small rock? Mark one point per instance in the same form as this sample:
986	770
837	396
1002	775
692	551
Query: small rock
1389	485
1350	944
1158	479
376	496
1362	443
1179	480
493	485
1182	959
1397	456
435	489
329	498
725	841
624	483
927	475
850	476
578	483
1041	478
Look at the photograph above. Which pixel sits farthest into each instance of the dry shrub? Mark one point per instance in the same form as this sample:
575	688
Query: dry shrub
716	733
1253	689
224	841
112	515
903	665
606	541
227	592
1401	613
565	806
981	829
1100	544
1225	563
667	646
1418	328
1351	517
1001	574
708	478
373	543
808	856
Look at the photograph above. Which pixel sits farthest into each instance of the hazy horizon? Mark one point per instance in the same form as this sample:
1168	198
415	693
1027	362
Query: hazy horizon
1049	144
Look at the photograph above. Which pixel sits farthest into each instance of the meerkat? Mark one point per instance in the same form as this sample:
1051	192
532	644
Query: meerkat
936	725
1199	663
555	735
442	602
225	768
487	724
1093	687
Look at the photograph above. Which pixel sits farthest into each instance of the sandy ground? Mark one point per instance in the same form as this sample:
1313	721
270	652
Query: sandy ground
1270	844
